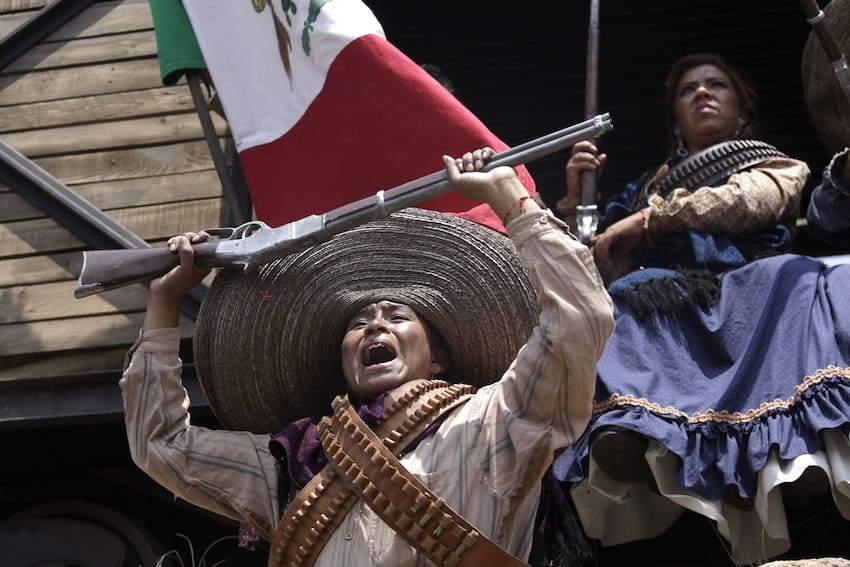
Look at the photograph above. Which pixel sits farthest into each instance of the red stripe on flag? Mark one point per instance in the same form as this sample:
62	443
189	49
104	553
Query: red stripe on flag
379	121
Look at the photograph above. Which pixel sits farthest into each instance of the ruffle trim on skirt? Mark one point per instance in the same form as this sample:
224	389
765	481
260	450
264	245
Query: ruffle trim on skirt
617	512
719	449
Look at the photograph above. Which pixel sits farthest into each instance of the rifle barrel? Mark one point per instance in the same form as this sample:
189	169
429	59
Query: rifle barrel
586	218
435	184
109	269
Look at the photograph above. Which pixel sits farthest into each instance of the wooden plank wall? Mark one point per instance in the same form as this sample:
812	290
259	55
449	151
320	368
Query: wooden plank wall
87	105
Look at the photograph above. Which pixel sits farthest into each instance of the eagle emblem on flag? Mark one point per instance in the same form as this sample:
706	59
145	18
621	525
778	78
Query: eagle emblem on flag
284	44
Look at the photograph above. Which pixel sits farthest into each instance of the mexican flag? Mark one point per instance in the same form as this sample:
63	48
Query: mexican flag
324	110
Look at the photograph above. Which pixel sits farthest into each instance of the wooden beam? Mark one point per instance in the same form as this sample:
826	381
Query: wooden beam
43	236
66	112
129	164
40	86
105	18
116	134
69	334
86	51
80	395
17	5
11	22
162	221
152	190
26	303
41	364
35	237
76	333
39	269
55	300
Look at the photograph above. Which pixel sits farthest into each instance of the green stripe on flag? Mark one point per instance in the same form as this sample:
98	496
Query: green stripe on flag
178	49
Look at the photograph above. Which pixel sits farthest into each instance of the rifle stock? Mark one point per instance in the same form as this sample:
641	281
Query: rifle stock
255	243
103	270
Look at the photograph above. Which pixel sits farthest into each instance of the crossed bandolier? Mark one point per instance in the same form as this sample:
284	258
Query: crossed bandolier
363	464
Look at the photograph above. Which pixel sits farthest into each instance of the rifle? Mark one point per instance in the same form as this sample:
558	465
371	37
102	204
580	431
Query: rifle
587	219
255	243
816	18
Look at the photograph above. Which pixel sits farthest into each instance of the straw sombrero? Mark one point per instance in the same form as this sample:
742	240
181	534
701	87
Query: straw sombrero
828	107
267	343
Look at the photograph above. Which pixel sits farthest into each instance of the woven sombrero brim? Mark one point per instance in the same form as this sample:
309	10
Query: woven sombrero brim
828	107
267	343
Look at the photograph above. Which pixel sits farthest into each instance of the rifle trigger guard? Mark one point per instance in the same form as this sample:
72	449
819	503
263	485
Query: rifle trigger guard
247	229
239	232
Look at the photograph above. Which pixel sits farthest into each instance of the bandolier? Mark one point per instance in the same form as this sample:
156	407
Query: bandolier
363	464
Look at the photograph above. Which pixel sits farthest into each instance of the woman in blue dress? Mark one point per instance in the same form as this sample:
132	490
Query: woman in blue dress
728	373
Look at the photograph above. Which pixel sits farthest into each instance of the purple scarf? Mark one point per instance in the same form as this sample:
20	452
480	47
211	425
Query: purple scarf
300	445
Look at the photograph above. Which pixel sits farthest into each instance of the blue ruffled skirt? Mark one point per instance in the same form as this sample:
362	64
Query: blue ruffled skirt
722	396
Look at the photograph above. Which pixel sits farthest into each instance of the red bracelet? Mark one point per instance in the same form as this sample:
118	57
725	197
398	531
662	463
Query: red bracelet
519	203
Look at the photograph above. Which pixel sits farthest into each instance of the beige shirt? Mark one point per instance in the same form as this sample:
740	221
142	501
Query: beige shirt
485	460
764	194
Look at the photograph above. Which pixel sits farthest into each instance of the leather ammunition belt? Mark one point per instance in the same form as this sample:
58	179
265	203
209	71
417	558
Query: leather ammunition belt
715	164
424	520
322	505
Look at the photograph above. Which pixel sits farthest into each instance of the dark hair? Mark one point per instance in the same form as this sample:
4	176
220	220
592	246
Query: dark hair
746	95
439	75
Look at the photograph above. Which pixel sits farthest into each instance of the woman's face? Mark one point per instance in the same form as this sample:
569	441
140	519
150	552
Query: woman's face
706	107
385	345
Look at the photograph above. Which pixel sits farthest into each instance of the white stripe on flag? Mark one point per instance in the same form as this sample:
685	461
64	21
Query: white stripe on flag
240	46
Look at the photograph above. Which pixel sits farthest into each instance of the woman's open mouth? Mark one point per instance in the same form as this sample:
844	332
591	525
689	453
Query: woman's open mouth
377	353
